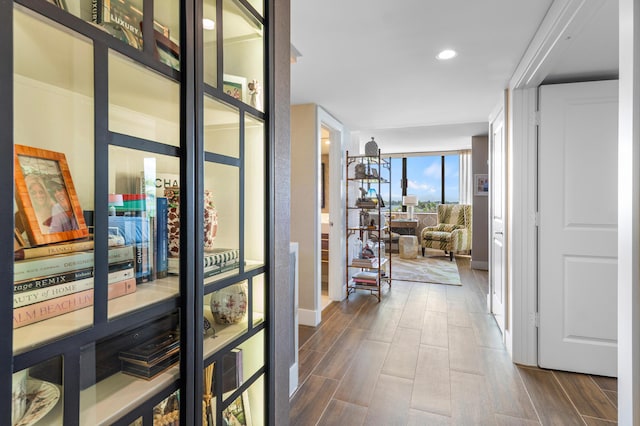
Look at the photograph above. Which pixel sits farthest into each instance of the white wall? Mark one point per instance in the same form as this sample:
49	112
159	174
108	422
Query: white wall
480	243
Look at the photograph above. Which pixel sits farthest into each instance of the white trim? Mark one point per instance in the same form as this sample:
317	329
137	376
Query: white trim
522	340
481	265
629	216
293	379
563	19
309	317
293	369
337	229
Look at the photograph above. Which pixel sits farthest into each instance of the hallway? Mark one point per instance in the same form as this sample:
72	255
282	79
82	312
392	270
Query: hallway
429	355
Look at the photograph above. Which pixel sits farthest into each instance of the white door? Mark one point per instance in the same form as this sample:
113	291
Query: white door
578	232
497	270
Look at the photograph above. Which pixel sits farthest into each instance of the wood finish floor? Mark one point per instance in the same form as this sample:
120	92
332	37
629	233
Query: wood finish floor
430	354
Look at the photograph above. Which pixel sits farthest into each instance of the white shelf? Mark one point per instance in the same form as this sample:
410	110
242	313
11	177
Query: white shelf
115	396
51	329
226	333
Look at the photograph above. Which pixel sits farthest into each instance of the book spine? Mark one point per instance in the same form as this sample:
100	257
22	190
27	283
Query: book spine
218	269
42	282
51	308
64	263
47	293
217	258
162	252
35	252
121	288
61	305
95	11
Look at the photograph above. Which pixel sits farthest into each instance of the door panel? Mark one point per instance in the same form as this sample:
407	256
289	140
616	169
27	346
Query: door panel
578	235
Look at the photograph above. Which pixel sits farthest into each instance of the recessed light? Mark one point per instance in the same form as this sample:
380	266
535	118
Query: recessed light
208	24
447	54
327	142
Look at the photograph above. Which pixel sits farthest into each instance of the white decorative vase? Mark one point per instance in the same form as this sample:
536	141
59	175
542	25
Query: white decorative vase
229	305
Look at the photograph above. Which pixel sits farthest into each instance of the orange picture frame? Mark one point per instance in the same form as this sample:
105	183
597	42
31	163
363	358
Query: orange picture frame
46	197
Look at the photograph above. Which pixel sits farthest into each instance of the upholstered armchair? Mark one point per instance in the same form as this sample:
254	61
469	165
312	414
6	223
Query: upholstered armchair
453	231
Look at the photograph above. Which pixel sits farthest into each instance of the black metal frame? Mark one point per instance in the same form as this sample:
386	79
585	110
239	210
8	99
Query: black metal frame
192	156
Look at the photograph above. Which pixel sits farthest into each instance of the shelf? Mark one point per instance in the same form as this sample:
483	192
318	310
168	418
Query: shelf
227	333
43	332
369	180
115	396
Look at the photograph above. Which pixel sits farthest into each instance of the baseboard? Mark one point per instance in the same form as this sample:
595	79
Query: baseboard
308	317
476	264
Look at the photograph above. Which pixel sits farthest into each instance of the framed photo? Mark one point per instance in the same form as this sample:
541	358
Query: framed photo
237	413
481	184
235	86
46	197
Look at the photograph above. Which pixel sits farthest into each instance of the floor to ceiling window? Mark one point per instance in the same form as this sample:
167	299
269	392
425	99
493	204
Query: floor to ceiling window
434	179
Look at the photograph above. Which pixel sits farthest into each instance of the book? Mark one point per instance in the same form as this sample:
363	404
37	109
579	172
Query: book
148	372
162	238
153	350
41	294
365	278
61	305
214	257
50	280
119	13
63	263
135	228
124	16
232	375
51	249
218	269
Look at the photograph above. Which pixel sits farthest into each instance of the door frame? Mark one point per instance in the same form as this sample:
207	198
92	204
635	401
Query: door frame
335	196
564	18
499	114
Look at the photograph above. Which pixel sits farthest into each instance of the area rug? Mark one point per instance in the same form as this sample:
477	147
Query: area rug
429	269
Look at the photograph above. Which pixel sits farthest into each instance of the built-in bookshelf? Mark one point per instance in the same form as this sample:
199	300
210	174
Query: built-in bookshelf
140	216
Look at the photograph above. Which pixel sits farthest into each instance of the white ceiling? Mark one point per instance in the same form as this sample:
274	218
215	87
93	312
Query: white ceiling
372	64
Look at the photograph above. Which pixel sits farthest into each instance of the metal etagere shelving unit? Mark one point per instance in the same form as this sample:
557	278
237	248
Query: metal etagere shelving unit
368	267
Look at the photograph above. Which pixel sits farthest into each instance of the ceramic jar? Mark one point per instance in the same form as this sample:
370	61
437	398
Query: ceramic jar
229	305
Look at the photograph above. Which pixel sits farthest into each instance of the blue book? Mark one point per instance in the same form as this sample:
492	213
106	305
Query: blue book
136	232
162	237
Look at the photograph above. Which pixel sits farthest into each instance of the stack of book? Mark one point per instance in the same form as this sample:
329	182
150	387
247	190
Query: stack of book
141	220
364	263
365	278
215	262
57	279
152	357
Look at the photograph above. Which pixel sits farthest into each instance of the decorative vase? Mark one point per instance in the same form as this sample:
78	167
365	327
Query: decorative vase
229	305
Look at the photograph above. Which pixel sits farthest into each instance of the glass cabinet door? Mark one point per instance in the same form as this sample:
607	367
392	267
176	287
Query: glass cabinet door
114	147
53	173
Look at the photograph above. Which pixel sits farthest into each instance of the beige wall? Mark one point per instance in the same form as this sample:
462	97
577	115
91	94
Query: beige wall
480	242
304	205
